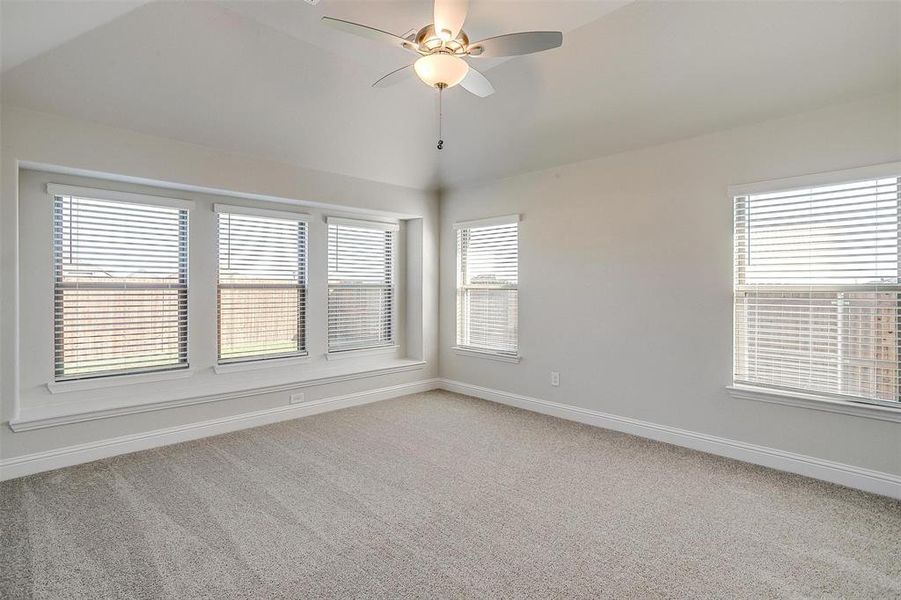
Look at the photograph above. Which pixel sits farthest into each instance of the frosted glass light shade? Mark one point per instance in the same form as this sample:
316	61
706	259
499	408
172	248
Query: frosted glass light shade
437	69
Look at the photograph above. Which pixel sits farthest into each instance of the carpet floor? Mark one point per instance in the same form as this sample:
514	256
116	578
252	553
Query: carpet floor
439	495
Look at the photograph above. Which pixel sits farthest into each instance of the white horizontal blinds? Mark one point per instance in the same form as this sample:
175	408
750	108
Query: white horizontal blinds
817	295
360	286
120	287
487	294
262	286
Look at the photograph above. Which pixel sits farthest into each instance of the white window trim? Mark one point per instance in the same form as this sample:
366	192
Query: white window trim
237	209
814	180
108	381
58	189
815	402
489	222
802	399
361	224
487	354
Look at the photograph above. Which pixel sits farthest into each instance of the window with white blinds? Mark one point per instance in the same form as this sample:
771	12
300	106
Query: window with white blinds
262	291
487	285
360	284
817	295
120	287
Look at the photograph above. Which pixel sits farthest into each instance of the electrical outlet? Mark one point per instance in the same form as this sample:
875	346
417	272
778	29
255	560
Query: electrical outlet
297	398
555	378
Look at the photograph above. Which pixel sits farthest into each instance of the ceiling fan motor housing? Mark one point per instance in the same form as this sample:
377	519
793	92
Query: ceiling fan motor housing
429	41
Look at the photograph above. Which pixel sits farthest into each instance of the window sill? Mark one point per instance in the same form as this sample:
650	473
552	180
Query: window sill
816	402
61	387
345	354
67	411
507	358
259	364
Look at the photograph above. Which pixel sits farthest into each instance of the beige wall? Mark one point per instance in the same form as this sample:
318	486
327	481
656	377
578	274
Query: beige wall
626	275
52	140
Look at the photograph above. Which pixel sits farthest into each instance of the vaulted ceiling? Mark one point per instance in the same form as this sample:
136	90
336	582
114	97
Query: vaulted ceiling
265	78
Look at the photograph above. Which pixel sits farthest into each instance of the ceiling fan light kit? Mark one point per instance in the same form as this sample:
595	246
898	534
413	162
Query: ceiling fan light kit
442	47
441	70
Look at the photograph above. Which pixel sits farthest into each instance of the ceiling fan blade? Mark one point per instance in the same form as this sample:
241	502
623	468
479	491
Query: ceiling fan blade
395	76
449	16
370	33
477	84
516	44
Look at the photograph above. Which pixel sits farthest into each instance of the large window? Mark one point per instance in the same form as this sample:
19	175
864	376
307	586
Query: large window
360	284
120	285
262	284
487	280
817	295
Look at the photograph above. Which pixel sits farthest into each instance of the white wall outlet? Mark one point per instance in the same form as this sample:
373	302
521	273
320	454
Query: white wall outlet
555	378
297	398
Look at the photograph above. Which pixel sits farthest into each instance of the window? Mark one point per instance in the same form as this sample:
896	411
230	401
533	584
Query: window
817	295
487	280
262	284
360	284
120	284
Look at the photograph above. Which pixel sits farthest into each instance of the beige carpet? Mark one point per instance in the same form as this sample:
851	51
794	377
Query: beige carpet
440	495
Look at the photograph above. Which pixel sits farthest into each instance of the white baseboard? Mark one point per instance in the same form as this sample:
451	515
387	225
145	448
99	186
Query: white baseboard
867	480
73	455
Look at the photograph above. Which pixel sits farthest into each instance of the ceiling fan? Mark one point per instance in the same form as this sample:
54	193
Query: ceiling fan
442	47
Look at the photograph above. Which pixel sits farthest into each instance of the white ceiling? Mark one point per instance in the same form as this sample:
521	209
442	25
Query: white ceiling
267	79
485	19
31	27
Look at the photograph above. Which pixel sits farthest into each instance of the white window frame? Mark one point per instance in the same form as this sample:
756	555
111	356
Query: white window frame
477	351
244	363
803	399
57	384
379	349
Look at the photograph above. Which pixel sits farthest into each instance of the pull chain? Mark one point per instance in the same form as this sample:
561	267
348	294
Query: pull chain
440	114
